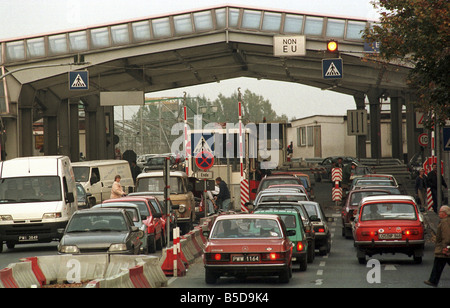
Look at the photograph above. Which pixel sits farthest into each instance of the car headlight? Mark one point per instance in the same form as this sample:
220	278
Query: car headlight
182	208
51	215
5	217
68	249
117	247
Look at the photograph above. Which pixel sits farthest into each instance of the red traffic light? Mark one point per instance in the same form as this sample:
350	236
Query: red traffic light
332	46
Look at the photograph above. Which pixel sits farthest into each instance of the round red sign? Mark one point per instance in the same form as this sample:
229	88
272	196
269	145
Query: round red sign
204	160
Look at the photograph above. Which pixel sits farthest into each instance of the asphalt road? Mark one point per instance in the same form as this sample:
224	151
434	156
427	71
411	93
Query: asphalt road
339	269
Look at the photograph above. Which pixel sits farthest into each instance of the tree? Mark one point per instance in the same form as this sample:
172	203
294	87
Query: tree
417	31
255	109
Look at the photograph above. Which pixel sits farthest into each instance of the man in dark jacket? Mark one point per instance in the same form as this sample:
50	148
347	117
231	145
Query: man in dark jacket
432	184
441	251
223	199
421	189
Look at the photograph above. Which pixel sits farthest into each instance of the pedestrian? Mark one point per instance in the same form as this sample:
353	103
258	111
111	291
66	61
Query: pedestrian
116	190
421	189
290	151
441	251
432	184
223	199
135	171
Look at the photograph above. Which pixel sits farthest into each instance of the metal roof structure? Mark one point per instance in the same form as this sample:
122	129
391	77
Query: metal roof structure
196	47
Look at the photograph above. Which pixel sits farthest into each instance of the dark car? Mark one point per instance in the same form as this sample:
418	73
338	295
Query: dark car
324	167
96	231
83	197
320	224
154	220
351	206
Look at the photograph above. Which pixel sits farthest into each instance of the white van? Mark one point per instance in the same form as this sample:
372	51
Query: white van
38	196
97	177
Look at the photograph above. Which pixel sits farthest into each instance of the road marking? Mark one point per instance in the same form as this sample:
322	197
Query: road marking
319	272
171	280
322	263
319	282
390	267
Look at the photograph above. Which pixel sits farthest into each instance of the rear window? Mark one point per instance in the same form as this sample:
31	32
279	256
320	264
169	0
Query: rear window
247	228
267	183
388	211
281	198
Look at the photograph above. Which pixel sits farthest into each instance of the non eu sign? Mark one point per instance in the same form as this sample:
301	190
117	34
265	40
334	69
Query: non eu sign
289	46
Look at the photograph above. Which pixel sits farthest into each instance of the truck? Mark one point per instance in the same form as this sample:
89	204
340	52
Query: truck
38	196
97	177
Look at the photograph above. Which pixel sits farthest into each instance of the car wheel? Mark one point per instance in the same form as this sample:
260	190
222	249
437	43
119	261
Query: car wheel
417	260
303	264
311	252
151	243
210	277
284	276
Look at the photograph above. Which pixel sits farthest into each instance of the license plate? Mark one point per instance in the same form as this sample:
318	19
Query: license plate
28	238
390	236
246	258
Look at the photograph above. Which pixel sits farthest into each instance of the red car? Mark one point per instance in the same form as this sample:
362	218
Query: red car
389	224
351	207
154	219
248	245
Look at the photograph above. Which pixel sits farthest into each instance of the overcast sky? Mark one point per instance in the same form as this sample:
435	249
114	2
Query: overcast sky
31	17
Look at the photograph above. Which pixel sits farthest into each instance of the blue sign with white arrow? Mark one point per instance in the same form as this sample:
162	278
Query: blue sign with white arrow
332	68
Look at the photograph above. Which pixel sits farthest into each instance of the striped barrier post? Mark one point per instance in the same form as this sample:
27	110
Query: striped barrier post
245	195
336	177
430	202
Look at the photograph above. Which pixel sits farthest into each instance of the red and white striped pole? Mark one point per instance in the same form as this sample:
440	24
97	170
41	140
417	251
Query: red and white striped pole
176	248
186	152
244	186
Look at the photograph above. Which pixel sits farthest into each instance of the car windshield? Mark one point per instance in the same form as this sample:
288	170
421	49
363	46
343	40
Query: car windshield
375	183
81	174
268	182
388	211
141	205
357	196
281	198
246	228
156	184
92	222
311	209
30	189
289	220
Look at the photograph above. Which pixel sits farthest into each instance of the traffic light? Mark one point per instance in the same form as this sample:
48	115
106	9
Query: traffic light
332	46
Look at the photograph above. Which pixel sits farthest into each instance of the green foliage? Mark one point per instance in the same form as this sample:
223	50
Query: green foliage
417	32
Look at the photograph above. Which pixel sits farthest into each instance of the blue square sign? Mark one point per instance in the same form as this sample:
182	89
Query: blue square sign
332	68
446	133
79	80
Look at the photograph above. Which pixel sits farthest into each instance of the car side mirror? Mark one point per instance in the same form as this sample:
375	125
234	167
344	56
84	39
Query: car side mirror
205	234
70	197
314	218
249	205
291	232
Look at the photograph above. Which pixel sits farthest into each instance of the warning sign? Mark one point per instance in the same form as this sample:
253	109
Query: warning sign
332	68
79	80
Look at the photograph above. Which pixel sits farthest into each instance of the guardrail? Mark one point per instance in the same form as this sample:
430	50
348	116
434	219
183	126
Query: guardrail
107	271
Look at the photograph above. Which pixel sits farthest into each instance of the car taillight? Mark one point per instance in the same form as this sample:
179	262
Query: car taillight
410	232
300	246
273	256
321	230
217	257
369	233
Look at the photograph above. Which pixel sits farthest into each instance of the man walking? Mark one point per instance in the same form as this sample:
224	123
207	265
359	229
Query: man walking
223	198
421	189
441	251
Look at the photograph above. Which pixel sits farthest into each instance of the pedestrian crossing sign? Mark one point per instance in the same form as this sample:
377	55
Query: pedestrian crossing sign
79	80
332	68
